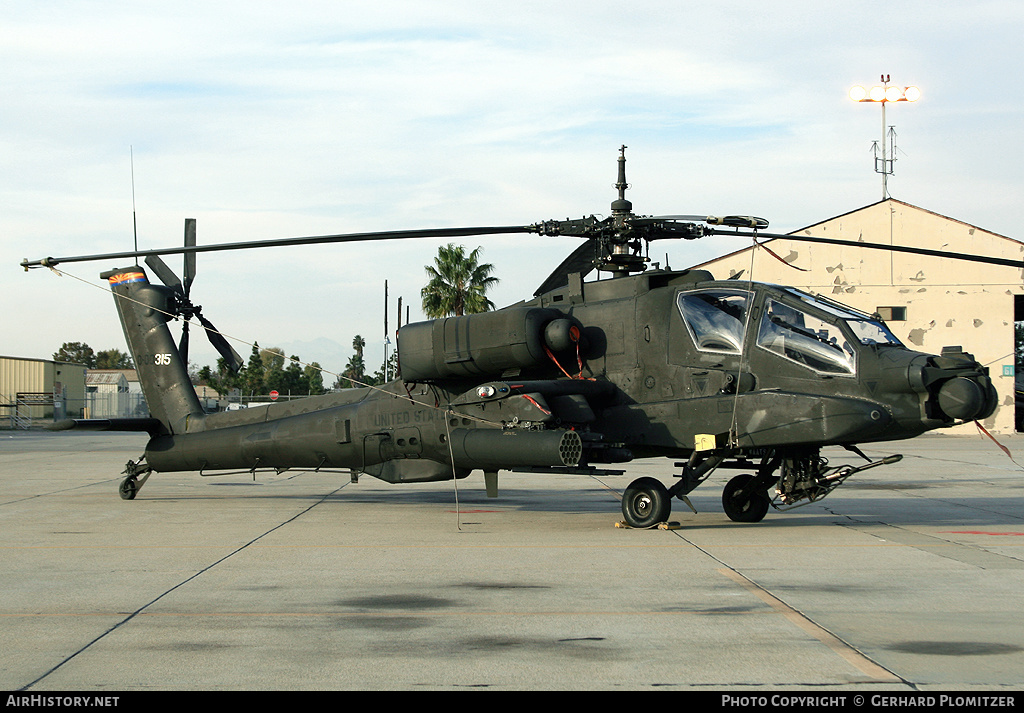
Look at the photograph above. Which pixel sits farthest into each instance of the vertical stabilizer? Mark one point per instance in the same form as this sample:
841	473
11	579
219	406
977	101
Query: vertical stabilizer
144	310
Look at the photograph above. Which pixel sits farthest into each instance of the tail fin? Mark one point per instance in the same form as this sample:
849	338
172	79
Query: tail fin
144	310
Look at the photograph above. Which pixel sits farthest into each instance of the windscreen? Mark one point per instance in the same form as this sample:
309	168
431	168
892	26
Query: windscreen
867	329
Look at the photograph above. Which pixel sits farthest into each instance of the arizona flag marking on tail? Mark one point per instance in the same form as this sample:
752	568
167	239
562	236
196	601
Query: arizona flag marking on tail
123	278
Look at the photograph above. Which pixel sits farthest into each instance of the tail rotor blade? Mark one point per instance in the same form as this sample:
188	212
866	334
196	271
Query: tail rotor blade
183	344
166	274
190	257
231	357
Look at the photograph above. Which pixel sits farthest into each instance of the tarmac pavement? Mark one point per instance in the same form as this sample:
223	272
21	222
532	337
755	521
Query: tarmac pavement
908	578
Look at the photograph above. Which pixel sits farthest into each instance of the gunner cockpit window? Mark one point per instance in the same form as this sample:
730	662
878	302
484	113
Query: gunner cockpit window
716	319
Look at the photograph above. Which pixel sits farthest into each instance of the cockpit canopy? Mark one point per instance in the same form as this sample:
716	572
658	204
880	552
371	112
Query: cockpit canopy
813	331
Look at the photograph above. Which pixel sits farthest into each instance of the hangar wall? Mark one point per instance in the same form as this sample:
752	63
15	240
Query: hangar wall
62	381
939	301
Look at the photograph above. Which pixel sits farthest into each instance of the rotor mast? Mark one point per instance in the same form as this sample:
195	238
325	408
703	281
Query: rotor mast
624	249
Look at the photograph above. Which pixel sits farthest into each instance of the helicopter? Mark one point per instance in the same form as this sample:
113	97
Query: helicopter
580	378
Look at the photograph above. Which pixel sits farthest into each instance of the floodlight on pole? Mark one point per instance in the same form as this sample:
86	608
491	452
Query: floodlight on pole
884	94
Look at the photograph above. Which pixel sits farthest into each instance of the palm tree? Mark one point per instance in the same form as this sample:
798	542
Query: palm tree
458	283
355	370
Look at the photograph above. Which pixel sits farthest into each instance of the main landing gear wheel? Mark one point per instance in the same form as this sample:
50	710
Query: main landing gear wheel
129	488
646	503
751	508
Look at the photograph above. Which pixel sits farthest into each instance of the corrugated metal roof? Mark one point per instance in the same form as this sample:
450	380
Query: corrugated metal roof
95	378
129	374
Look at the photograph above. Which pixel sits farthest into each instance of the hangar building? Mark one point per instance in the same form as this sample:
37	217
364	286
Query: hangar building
32	389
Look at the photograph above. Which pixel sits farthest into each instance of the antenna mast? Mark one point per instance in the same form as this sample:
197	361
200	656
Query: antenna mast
387	339
135	225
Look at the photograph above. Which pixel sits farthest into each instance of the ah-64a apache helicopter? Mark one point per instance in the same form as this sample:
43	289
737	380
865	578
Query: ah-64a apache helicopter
650	363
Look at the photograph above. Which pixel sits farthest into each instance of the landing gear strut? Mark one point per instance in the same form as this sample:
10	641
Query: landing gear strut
136	476
647	502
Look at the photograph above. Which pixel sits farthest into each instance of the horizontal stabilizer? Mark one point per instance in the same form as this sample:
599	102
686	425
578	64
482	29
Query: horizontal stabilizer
149	425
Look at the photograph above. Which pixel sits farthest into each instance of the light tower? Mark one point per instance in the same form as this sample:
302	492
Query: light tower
883	95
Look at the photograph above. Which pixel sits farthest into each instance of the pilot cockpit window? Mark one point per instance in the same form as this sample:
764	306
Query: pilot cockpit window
868	329
716	319
806	339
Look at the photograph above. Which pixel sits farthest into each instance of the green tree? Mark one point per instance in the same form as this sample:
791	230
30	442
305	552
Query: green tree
313	378
76	353
113	359
274	377
355	371
223	380
253	375
458	283
264	374
293	377
273	358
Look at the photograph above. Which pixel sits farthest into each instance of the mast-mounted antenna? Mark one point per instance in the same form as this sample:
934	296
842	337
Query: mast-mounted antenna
622	206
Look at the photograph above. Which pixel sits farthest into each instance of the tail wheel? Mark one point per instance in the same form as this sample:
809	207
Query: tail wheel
646	503
750	508
129	488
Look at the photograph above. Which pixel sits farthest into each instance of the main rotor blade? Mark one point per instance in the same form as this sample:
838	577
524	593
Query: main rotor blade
688	218
190	258
466	232
1005	262
283	242
735	221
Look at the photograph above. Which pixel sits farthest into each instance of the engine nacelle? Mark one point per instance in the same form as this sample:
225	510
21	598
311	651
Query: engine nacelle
485	344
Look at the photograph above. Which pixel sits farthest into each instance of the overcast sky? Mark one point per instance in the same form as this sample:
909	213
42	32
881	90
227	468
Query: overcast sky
266	120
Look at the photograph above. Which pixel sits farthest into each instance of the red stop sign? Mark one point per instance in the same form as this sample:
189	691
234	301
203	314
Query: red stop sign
274	395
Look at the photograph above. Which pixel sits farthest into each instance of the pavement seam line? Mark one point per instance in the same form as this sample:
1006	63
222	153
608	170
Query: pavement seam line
180	584
858	660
